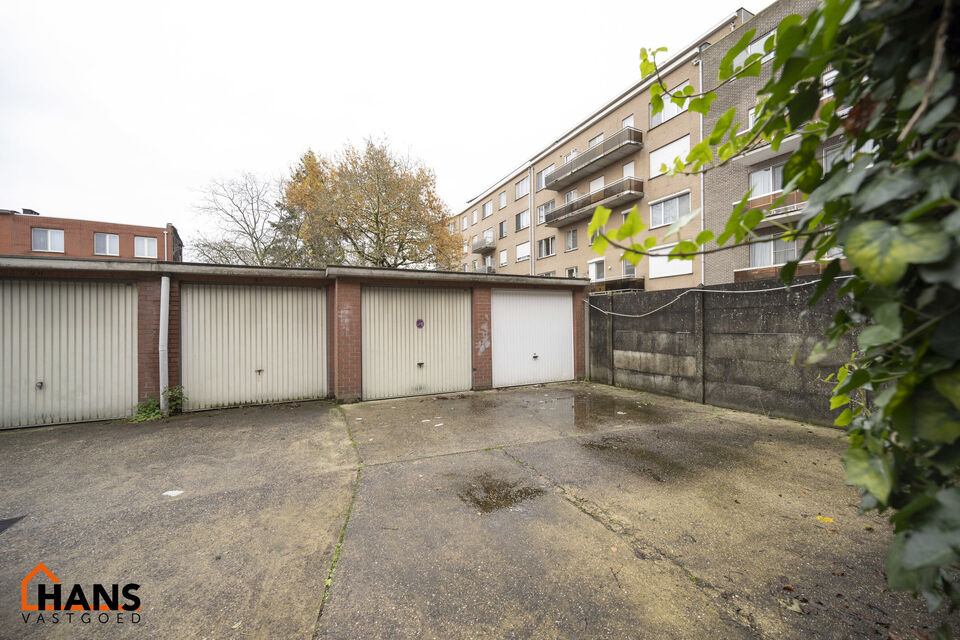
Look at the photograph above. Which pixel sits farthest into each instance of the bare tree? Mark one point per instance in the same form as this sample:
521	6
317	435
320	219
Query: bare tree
246	212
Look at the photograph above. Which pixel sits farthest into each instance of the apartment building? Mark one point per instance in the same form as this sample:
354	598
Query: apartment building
534	221
760	169
30	234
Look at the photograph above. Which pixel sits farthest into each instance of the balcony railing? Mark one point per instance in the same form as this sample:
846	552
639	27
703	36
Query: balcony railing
615	193
483	245
625	142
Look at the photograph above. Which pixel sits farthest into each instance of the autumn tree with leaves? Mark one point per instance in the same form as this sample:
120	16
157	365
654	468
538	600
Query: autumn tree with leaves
379	208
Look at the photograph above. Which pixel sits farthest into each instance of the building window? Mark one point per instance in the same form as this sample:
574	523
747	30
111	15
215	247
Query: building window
629	271
828	79
488	261
523	220
547	247
144	247
628	170
599	231
548	274
570	240
766	181
835	153
503	199
543	210
488	209
596	184
106	244
661	266
522	187
503	229
627	122
768	253
523	251
571	272
503	257
466	248
670	109
464	223
751	117
595	141
47	240
542	177
476	266
465	268
570	196
597	270
670	210
475	216
666	155
757	46
570	156
488	234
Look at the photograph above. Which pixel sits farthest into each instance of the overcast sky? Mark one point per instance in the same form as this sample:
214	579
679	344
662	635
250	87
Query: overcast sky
122	111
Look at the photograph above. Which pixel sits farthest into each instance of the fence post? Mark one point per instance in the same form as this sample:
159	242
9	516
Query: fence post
610	344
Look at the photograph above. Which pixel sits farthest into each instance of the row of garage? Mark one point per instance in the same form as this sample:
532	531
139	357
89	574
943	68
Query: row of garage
75	346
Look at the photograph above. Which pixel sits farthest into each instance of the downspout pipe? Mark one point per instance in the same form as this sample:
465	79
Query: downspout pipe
164	335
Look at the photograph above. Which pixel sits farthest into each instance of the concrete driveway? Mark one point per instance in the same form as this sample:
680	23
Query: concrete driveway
569	511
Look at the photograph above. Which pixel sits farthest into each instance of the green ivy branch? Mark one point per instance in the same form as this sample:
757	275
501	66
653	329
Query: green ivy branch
894	210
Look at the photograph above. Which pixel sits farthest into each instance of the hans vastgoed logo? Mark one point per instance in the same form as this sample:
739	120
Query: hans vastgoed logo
50	602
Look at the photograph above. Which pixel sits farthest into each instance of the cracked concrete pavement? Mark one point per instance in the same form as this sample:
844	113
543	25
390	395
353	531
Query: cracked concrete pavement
560	511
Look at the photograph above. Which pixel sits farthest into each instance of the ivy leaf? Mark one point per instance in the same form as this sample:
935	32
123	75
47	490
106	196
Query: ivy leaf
935	419
898	185
634	257
726	64
600	245
702	103
868	471
722	126
948	384
631	226
681	222
930	547
888	327
704	237
882	251
600	218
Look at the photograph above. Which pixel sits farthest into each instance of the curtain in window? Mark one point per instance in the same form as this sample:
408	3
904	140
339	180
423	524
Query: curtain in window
760	254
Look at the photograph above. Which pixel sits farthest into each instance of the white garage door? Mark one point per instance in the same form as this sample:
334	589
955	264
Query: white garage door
415	341
532	334
244	344
68	351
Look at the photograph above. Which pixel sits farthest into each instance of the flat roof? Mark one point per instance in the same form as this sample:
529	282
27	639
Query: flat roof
334	271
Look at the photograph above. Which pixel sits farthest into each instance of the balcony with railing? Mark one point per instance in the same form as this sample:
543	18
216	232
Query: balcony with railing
625	142
483	245
612	195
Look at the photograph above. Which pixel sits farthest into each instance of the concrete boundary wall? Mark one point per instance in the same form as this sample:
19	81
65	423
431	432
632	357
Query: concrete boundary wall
726	349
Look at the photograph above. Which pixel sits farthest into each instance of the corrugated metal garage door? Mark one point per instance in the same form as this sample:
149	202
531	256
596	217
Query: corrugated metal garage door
245	344
79	339
415	341
532	336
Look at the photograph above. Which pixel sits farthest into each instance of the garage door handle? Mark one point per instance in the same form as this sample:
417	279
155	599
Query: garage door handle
420	364
535	356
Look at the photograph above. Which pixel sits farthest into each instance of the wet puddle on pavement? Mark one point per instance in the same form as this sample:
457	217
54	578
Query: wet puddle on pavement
593	411
487	493
629	451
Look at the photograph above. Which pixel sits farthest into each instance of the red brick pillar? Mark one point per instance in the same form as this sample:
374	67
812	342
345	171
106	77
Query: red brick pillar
148	339
346	333
482	358
579	346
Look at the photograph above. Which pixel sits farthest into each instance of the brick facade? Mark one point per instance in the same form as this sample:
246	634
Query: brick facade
346	330
15	238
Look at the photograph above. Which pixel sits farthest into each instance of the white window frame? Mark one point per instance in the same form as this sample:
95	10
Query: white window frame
768	247
567	245
107	237
488	260
667	154
658	258
47	235
148	241
628	265
488	208
630	170
595	141
627	122
526	224
474	215
502	229
542	211
465	224
573	270
523	254
522	187
503	199
503	257
570	196
542	177
670	110
591	270
597	184
756	47
549	244
770	170
659	202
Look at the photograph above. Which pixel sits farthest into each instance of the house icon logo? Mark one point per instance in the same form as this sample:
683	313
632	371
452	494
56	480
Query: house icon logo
24	600
102	603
